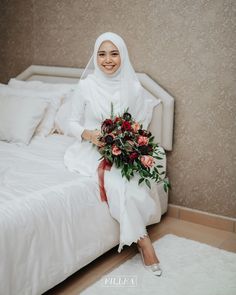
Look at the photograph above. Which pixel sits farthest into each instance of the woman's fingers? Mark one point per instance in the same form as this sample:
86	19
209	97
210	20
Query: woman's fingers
97	133
95	138
100	144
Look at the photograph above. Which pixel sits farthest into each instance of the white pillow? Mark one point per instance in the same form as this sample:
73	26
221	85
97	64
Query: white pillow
19	118
39	85
53	99
62	116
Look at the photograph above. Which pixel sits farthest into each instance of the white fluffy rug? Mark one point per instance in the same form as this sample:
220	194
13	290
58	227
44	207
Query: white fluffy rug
189	268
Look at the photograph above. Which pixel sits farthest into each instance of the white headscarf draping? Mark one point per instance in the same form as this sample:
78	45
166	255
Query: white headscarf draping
124	83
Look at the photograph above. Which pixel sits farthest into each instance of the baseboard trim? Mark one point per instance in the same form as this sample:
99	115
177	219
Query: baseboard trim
201	217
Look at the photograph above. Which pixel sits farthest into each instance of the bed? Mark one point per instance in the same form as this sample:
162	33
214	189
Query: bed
52	222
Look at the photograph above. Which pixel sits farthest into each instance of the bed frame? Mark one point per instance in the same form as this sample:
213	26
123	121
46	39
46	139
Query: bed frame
162	122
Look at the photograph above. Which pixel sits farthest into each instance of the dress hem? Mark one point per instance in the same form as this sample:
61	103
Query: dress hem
121	245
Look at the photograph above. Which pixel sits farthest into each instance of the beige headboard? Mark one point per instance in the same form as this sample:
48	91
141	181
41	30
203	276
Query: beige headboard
162	122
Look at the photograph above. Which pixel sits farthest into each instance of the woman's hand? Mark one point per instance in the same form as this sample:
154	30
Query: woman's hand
92	136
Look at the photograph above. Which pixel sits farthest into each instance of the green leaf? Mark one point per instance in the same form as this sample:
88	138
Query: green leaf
158	158
112	112
151	138
140	180
165	187
148	183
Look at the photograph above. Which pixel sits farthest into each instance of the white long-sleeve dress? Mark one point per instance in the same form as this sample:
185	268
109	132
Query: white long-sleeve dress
129	203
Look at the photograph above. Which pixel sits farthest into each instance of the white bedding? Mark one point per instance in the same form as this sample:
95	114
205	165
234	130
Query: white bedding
52	222
46	230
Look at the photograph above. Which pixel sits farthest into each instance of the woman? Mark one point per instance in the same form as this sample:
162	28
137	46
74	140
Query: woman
109	77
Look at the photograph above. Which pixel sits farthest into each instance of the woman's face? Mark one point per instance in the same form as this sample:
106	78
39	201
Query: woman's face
108	58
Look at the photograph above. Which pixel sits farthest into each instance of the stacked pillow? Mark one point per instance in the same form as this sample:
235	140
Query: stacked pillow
38	85
20	117
66	90
30	107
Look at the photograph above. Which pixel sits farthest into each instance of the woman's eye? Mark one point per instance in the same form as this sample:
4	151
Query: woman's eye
101	54
115	54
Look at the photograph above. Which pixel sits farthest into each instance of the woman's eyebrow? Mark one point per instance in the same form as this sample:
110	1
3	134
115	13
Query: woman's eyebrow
103	51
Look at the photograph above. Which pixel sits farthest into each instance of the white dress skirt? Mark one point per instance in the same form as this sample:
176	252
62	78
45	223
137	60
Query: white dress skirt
129	203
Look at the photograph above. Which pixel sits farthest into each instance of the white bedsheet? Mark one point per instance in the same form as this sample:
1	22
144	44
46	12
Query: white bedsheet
52	221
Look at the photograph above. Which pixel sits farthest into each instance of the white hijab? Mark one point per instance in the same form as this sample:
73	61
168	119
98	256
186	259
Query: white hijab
122	88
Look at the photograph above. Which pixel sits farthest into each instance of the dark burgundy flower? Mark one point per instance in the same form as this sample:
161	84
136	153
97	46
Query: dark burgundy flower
117	142
108	139
110	128
107	122
133	156
124	158
126	126
144	133
107	126
126	116
150	149
143	149
141	132
127	137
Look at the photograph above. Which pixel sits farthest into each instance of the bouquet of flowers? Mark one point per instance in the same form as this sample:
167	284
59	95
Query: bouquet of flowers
131	148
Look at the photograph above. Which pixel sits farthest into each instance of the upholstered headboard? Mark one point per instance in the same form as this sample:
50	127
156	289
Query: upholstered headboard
162	122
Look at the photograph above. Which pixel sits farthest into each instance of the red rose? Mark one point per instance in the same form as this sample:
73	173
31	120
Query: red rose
126	126
133	156
117	119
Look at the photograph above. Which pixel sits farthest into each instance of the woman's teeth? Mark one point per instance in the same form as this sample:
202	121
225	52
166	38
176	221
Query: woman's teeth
109	67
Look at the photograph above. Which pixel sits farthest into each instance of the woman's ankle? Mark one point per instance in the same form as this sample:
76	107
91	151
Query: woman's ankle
149	257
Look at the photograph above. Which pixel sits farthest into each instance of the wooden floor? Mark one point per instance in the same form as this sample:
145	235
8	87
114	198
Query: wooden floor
110	260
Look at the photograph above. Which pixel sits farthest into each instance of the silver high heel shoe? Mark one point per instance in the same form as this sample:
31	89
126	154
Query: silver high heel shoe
153	268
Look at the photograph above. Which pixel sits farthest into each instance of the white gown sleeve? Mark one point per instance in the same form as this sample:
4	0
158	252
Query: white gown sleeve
144	107
76	119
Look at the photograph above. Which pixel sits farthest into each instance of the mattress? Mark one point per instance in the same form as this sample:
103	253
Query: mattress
52	221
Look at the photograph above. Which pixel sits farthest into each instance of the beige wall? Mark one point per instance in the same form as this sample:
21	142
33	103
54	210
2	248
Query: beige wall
187	46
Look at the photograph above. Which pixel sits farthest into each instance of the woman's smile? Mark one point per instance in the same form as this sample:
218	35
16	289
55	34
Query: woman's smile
108	58
109	67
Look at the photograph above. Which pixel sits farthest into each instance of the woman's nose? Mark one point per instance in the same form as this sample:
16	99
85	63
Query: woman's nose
108	58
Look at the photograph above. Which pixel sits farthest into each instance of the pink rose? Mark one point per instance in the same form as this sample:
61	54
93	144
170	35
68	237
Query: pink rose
136	126
115	150
147	161
142	140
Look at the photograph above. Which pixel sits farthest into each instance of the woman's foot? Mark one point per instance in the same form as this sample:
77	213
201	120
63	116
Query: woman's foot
149	258
149	254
